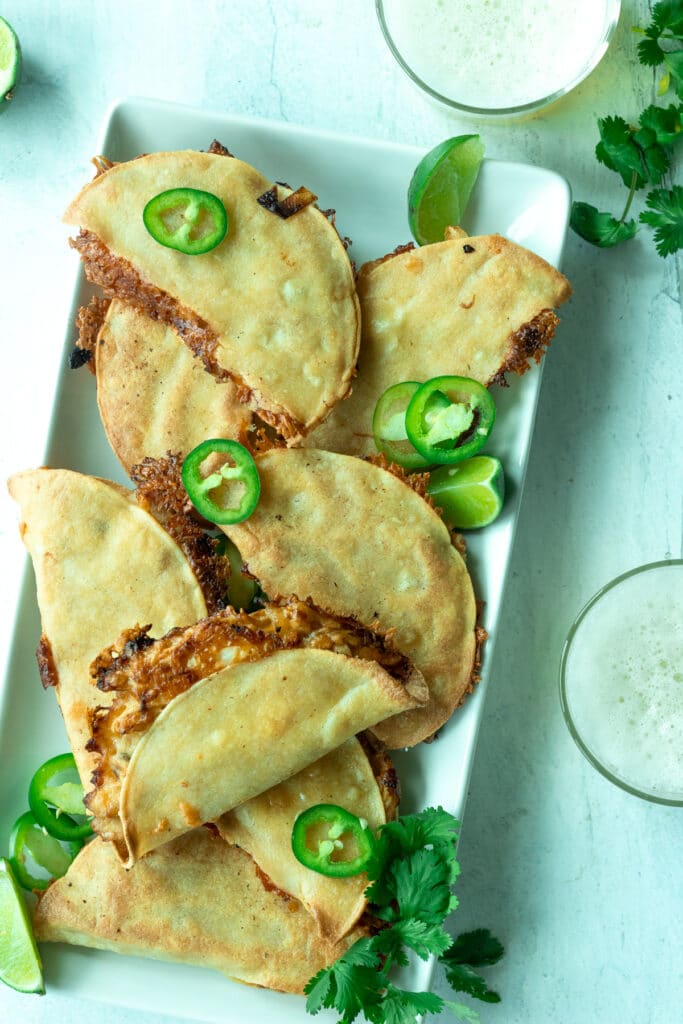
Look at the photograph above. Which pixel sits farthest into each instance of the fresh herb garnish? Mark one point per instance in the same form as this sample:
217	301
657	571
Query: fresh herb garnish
641	154
412	872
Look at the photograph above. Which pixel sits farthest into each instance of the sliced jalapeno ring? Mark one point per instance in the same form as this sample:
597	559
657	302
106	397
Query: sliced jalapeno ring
187	220
57	802
31	844
450	419
389	426
332	841
237	470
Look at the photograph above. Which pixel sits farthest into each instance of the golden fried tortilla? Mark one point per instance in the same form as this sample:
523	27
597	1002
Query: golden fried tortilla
274	305
473	307
101	563
154	395
362	543
243	702
196	901
263	828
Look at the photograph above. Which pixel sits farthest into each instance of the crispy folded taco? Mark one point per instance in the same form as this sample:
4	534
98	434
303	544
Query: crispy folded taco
212	715
475	307
362	543
154	395
357	776
196	901
273	306
101	563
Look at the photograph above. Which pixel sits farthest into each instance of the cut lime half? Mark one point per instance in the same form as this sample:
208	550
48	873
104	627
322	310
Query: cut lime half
20	965
10	63
470	494
441	187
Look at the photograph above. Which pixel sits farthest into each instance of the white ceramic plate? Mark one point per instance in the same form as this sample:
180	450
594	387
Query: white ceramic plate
366	182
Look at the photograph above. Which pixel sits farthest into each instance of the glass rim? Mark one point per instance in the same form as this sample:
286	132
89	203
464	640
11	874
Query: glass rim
612	12
569	721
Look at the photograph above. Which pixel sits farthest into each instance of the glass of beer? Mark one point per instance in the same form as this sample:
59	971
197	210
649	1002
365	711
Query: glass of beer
621	681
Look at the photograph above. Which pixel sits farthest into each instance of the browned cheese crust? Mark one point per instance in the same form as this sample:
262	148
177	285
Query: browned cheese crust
416	481
146	675
527	343
119	279
384	771
89	320
46	663
160	491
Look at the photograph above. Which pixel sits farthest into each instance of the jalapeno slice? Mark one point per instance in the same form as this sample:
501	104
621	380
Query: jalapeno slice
242	590
237	472
332	841
55	796
187	220
389	426
450	419
30	842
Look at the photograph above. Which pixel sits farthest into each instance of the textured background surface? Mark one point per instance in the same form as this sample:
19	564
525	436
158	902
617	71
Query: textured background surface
581	882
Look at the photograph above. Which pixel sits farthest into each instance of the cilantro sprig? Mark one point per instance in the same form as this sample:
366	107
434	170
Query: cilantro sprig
411	873
641	154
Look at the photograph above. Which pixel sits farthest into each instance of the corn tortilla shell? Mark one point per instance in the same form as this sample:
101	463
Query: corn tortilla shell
154	395
196	901
101	564
439	310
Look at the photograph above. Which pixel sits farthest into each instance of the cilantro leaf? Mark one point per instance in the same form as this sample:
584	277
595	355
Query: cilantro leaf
664	124
463	978
665	215
667	25
462	1012
618	151
424	938
479	948
600	229
472	949
674	64
650	52
349	985
415	886
402	1007
431	827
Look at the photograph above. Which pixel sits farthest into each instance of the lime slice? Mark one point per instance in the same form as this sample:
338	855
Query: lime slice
441	186
20	965
470	494
10	62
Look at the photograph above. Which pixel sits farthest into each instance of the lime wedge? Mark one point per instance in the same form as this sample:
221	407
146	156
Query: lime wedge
10	62
441	186
470	494
20	965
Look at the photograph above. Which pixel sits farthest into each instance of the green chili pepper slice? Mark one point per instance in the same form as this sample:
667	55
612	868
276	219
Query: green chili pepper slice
237	471
57	803
389	426
187	220
450	419
332	841
242	590
30	842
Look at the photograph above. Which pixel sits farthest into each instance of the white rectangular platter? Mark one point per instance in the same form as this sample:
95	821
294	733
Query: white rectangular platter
366	182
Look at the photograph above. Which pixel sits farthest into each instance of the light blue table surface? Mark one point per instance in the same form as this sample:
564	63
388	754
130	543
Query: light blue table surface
582	882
